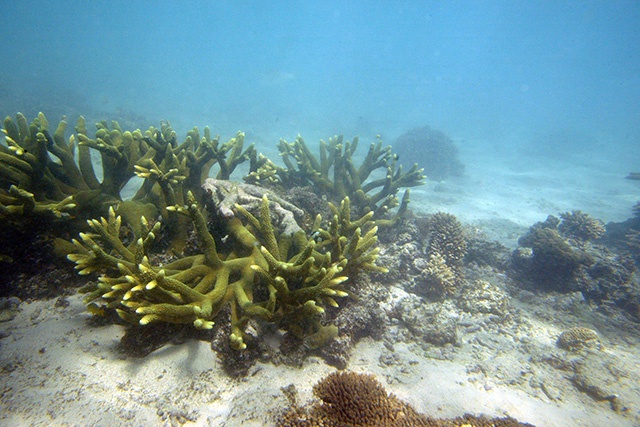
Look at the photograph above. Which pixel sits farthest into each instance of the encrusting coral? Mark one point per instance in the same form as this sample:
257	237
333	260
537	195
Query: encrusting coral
336	175
348	399
261	275
577	338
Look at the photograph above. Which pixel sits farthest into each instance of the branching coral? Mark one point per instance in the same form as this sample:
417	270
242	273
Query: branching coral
44	184
40	176
440	279
260	275
581	226
336	174
446	237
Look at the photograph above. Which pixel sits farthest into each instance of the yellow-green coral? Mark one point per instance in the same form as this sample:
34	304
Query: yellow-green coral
336	175
48	168
45	184
260	275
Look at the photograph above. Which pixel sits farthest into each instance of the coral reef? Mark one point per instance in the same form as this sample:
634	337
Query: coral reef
446	249
552	259
439	278
46	174
285	279
447	238
484	297
32	183
431	323
577	338
432	149
336	175
549	260
633	233
581	226
348	399
225	195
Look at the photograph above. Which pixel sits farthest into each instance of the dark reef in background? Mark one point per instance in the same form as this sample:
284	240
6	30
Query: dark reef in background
431	149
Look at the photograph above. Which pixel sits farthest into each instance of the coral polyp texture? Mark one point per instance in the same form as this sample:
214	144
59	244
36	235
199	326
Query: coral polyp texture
260	273
349	399
372	185
577	338
446	249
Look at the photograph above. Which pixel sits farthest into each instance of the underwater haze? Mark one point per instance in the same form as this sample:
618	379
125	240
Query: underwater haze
483	257
540	74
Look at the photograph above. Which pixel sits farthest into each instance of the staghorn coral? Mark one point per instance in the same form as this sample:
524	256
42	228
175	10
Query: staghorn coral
32	183
282	278
336	175
581	226
349	399
46	177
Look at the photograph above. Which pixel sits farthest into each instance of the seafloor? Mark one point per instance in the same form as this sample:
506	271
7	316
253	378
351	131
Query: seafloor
492	348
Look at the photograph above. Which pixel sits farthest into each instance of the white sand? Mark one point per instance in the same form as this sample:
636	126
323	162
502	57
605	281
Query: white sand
58	370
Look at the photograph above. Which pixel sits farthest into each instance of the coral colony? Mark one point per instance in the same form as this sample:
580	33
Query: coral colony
264	265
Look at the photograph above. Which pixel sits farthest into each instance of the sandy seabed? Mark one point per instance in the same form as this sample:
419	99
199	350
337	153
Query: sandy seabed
57	368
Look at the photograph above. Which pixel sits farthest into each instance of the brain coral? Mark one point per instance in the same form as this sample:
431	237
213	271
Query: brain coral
577	338
348	399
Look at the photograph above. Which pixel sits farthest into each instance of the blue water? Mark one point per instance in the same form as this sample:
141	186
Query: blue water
539	76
